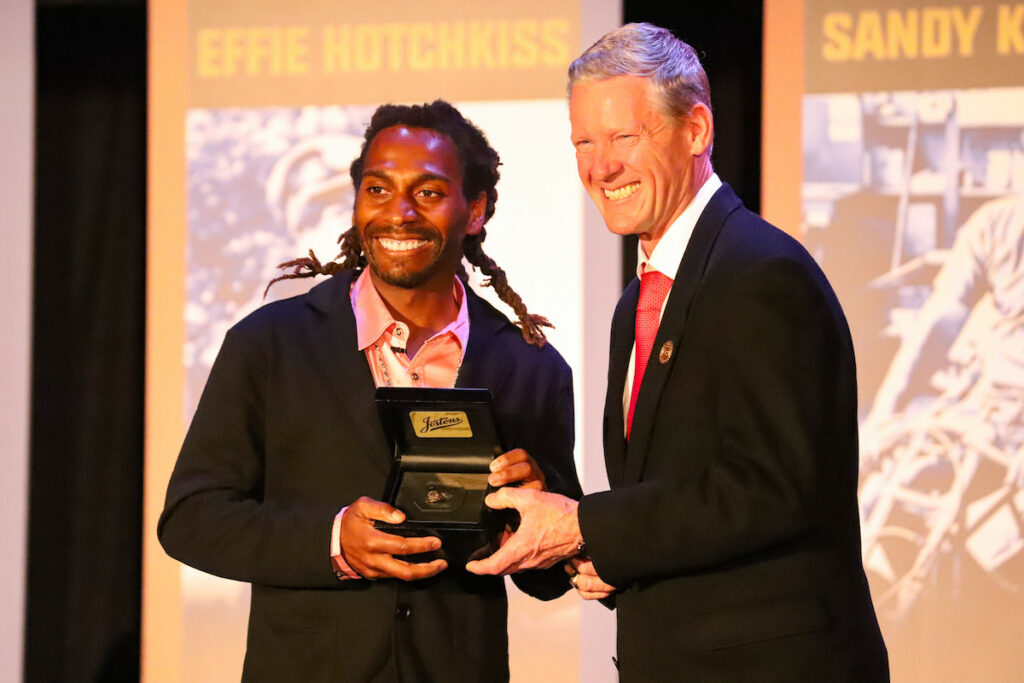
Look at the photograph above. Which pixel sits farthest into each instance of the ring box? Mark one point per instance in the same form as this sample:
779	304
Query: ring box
443	442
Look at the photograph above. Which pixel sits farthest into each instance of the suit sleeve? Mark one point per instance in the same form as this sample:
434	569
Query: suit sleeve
215	518
553	450
784	438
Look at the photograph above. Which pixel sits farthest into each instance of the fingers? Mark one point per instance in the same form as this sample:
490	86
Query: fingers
592	583
504	561
581	564
583	577
588	595
509	497
407	571
548	531
382	543
571	568
513	457
374	556
516	466
370	551
511	557
512	473
575	565
371	509
500	499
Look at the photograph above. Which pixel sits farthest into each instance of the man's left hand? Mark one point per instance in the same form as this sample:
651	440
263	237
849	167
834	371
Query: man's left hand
549	532
516	466
585	580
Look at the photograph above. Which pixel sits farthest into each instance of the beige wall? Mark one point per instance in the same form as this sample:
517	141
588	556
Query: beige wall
16	135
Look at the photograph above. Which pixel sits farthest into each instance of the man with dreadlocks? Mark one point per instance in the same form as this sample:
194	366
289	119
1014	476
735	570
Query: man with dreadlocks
285	433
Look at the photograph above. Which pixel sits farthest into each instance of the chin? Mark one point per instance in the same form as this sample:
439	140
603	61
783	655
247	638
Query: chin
406	278
402	278
406	281
622	230
621	223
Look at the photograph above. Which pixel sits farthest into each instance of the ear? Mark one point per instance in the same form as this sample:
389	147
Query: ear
477	211
702	129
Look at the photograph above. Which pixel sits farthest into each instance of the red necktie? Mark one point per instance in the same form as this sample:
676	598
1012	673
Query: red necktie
654	287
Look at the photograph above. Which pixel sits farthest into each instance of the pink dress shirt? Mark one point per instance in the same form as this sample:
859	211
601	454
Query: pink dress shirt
383	340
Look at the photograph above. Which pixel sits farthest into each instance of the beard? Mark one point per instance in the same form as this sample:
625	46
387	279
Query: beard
404	273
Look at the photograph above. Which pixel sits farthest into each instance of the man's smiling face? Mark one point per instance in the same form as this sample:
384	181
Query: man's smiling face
635	163
410	210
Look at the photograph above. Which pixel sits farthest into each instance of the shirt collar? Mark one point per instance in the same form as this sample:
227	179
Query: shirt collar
668	253
374	321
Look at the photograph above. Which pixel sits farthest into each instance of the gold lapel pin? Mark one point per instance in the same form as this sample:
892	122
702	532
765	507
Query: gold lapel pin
666	352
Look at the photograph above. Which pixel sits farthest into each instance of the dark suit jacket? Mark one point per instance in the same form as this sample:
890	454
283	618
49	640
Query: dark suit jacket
731	527
285	434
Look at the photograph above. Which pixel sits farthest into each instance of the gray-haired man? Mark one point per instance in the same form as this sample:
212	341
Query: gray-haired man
730	538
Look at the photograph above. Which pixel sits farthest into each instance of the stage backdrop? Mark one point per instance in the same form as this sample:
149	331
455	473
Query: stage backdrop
907	185
256	110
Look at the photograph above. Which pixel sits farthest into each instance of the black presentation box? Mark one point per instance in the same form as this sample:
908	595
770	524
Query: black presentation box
443	442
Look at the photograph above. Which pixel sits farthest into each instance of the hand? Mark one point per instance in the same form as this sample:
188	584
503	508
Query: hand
516	466
549	531
370	551
585	580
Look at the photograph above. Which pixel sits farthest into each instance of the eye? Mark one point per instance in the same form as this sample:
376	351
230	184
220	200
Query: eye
626	138
374	189
583	147
429	193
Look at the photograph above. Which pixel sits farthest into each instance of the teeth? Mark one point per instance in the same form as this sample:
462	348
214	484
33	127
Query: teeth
401	245
622	192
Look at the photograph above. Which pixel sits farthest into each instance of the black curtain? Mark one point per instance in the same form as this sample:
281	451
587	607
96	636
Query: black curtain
727	35
85	515
85	499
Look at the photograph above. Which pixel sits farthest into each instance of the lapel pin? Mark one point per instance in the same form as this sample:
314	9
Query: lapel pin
666	352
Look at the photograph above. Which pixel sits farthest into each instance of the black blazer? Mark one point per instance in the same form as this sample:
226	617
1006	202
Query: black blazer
285	434
731	527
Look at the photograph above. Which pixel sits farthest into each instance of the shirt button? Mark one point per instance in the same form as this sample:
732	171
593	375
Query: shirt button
403	611
398	331
415	376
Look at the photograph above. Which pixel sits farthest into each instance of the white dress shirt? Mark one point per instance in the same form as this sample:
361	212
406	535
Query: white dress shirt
665	259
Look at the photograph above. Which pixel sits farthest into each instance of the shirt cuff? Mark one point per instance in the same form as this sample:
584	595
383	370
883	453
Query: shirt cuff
341	568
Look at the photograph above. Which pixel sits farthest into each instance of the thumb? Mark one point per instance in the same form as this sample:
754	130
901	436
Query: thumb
504	498
378	510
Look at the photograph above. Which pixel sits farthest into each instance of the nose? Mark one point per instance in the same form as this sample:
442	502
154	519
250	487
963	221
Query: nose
605	164
401	209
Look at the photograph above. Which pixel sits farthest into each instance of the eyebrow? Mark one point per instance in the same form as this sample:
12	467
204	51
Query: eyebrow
421	178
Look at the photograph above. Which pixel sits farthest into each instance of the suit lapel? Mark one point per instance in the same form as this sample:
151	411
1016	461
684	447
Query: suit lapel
673	323
346	369
478	367
622	338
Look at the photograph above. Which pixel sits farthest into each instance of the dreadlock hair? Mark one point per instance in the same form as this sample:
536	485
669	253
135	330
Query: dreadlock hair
479	175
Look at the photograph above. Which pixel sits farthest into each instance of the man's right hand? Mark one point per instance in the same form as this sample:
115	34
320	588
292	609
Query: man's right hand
370	552
549	531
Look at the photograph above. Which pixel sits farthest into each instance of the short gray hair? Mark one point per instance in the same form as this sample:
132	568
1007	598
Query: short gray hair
652	52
